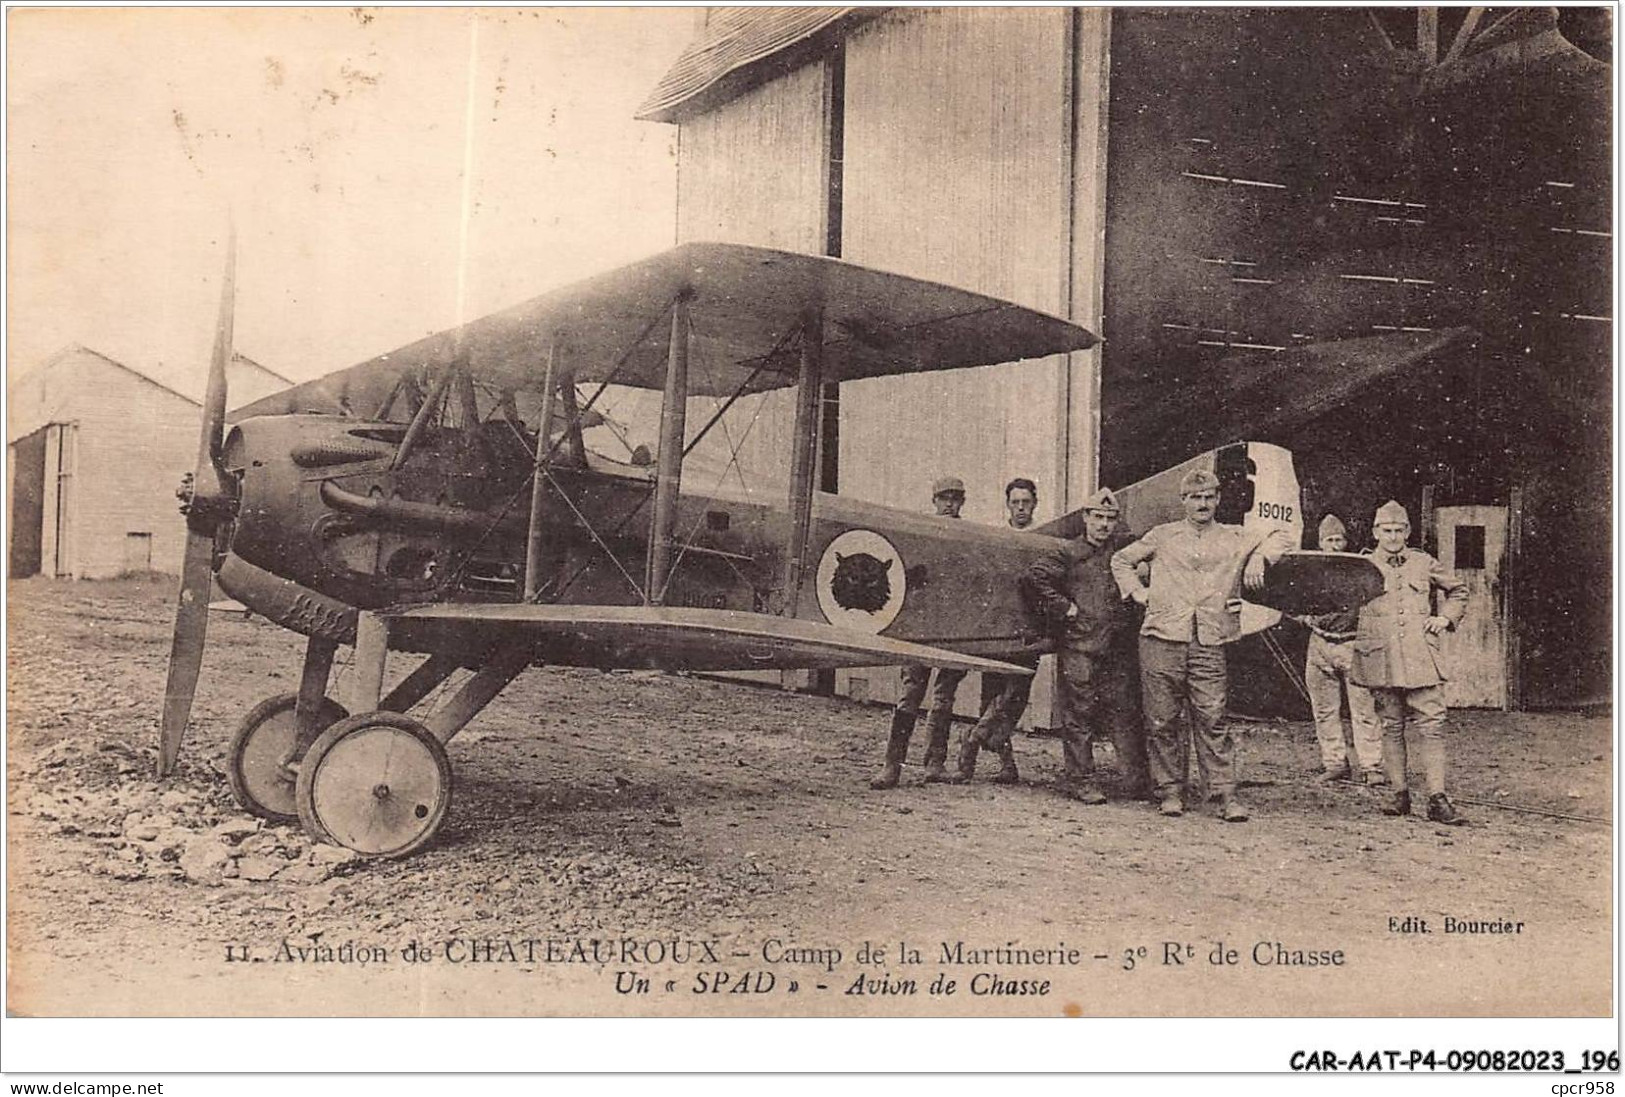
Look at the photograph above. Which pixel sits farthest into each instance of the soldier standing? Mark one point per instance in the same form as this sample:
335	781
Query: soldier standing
1396	657
947	498
1327	672
1004	696
1193	609
1076	594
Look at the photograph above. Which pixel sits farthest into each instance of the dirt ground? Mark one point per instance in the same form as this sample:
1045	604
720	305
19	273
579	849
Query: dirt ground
608	828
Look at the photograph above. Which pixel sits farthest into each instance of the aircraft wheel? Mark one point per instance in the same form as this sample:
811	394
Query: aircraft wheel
378	783
255	763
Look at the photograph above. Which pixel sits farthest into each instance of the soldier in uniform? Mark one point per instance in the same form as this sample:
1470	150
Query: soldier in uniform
947	498
1004	696
1326	674
1075	594
1396	657
1193	608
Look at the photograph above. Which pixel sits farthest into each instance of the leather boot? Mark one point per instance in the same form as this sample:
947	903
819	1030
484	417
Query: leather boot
936	750
902	727
1084	790
1398	804
1007	774
969	748
1441	810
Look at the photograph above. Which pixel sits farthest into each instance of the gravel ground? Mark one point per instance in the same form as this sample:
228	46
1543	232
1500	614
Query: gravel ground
672	818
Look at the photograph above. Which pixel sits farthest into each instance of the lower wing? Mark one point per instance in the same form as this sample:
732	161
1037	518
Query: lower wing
664	638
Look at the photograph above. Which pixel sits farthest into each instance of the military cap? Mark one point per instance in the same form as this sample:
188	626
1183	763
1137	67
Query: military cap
1198	480
946	485
1391	513
1332	526
1103	502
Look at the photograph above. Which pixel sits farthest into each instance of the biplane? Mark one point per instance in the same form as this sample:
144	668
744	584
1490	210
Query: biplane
440	499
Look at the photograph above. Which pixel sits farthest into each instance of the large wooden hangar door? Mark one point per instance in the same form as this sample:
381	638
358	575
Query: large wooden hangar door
27	503
1473	544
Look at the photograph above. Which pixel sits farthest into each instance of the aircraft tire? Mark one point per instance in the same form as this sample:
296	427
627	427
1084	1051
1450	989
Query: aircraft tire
378	783
254	759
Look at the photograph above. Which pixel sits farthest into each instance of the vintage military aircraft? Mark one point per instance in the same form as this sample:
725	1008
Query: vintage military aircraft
440	499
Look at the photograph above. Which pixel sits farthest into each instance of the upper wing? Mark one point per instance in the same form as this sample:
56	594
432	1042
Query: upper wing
666	638
744	305
1318	582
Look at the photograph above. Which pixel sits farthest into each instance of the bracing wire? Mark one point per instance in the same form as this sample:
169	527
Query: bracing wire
581	413
599	541
772	356
1273	646
688	540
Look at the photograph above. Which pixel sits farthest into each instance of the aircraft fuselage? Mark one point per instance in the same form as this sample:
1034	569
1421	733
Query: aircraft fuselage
322	508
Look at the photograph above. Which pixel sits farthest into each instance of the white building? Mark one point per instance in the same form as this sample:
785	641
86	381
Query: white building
95	450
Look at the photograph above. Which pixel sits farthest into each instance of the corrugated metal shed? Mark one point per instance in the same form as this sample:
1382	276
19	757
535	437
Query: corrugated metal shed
953	145
753	172
1289	188
741	48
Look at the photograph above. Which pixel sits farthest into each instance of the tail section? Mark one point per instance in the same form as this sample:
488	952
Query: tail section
1257	488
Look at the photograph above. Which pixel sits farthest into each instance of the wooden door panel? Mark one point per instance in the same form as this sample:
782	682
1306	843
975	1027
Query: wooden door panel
1472	543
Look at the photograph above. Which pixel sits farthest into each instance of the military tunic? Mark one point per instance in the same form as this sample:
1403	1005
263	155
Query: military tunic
1392	649
1193	609
1095	653
1396	658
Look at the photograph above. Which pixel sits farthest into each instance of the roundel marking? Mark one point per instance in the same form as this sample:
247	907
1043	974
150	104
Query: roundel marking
861	581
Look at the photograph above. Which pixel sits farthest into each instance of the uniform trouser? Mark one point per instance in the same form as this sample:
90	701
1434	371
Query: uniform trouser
1425	710
1004	699
1172	675
1326	672
1096	700
939	720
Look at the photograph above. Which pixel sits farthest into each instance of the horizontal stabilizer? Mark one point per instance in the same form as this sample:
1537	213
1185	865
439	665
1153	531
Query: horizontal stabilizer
1311	583
665	638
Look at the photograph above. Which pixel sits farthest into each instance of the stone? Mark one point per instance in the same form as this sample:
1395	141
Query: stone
205	862
236	828
173	842
262	844
259	868
332	855
304	874
332	890
175	798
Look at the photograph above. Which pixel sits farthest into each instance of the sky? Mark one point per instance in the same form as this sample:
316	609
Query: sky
336	139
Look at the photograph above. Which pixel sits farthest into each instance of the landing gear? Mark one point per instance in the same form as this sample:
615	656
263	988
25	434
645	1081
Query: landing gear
378	783
262	762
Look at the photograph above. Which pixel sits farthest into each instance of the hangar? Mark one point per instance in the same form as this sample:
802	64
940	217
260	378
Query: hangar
95	450
1381	237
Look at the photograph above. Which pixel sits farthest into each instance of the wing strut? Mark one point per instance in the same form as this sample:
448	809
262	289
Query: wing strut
538	485
669	472
804	457
426	411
